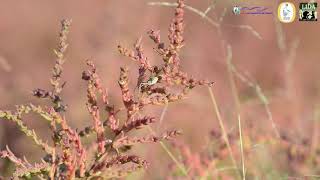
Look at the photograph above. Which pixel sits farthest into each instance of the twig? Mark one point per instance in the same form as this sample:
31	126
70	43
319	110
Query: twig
223	130
162	115
203	14
264	100
165	148
237	102
241	148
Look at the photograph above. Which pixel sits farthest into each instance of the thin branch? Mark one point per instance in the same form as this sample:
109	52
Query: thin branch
162	115
166	149
223	130
241	148
203	14
263	98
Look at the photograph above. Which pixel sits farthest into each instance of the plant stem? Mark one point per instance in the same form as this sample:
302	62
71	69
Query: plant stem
223	130
166	149
241	148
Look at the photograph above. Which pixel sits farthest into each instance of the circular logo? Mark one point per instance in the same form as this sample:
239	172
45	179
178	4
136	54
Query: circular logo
236	10
286	12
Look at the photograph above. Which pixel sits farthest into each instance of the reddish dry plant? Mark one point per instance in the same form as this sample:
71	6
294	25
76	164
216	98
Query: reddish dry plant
293	155
66	156
204	163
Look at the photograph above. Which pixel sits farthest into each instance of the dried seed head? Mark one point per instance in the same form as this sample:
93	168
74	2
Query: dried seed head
86	75
40	93
154	35
171	134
